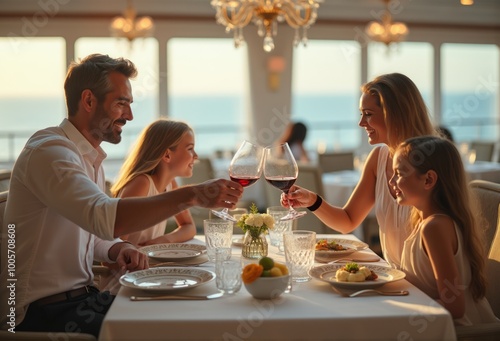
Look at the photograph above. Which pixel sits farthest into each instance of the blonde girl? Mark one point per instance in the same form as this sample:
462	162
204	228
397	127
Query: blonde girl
164	151
444	254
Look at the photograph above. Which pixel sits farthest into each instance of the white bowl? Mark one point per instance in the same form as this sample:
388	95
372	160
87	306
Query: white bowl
266	288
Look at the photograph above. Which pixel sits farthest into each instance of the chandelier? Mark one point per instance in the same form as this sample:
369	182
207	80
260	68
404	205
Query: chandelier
266	14
387	31
129	26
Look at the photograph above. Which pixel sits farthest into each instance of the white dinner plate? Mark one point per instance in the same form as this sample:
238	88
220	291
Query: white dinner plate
166	279
326	273
350	245
173	251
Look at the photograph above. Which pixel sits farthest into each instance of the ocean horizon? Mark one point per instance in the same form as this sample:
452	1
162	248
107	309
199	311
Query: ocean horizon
332	121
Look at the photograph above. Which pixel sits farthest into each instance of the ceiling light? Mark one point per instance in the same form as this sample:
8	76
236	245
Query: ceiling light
130	26
236	14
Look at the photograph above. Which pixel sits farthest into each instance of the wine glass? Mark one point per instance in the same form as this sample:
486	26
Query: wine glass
281	171
245	169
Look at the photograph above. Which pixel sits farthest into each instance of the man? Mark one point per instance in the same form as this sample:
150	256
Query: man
60	220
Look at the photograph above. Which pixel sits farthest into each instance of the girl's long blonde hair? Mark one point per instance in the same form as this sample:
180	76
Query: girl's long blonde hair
149	149
452	196
405	112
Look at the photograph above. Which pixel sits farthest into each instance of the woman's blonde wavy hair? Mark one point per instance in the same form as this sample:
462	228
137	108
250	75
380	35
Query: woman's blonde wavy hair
149	149
452	196
405	112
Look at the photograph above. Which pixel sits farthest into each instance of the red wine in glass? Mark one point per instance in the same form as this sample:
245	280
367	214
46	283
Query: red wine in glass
282	183
244	181
281	171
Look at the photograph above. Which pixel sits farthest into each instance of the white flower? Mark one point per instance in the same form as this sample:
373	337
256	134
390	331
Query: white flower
250	219
268	220
257	220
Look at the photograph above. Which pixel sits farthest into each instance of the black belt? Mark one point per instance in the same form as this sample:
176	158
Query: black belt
65	296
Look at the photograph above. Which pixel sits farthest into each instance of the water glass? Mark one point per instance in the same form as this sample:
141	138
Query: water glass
221	254
218	233
299	253
276	234
228	276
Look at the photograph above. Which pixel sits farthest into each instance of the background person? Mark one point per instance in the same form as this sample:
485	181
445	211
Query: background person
295	135
63	218
392	110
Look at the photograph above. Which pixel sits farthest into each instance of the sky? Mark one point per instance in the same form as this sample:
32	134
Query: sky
37	66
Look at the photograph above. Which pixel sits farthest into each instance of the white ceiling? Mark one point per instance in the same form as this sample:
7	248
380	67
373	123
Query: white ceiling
438	12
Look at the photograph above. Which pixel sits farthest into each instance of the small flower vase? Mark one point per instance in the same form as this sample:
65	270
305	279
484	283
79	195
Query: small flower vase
254	246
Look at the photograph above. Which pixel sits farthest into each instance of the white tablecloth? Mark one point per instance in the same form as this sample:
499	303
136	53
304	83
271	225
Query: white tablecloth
312	311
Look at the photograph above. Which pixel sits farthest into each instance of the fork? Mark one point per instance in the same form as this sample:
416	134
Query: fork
383	293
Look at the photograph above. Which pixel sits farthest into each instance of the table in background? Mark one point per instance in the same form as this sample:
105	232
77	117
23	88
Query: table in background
312	311
484	170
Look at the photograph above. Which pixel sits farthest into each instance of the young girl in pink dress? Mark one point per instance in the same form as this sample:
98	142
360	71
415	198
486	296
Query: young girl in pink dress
443	255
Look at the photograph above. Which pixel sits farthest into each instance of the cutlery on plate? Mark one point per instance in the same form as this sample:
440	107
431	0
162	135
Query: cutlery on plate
176	297
378	292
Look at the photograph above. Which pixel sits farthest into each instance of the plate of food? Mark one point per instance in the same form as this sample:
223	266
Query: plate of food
166	279
173	251
333	247
356	276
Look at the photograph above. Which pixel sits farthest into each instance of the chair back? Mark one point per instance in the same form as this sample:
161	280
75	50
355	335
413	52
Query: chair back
484	150
3	203
310	178
493	271
202	171
5	175
488	195
334	162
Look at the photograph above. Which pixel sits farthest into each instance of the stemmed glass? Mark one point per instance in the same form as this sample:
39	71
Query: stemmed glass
245	169
281	171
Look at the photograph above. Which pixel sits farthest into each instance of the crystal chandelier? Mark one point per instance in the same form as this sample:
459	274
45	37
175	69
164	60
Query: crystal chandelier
387	31
129	26
236	14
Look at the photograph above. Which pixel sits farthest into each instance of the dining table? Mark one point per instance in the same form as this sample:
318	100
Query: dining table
311	310
483	170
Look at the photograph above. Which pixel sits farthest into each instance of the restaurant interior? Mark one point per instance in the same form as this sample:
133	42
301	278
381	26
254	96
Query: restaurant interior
252	69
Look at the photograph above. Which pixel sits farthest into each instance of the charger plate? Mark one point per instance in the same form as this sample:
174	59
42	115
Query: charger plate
173	251
166	279
326	273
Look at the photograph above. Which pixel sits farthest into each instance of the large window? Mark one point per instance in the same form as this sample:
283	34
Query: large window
31	90
414	60
208	88
144	54
325	93
470	91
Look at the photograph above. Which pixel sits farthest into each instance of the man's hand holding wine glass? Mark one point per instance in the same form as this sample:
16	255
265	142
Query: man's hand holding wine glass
245	169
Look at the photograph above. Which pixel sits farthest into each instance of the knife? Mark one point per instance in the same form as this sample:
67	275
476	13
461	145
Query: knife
176	297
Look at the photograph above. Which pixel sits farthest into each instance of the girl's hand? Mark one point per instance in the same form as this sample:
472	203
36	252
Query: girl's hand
298	197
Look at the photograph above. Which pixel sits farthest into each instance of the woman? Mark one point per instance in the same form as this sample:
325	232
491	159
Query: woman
392	110
444	254
164	151
295	135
